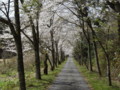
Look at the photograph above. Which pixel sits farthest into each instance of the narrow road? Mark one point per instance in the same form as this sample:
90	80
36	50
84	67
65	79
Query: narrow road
69	79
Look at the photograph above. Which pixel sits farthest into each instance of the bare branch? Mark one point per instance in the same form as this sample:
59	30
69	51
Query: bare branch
68	20
5	7
27	37
71	11
3	12
8	7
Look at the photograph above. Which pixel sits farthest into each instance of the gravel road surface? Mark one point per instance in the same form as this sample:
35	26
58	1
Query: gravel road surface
69	79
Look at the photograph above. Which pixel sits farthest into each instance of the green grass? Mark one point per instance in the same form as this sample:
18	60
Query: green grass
96	82
7	85
31	82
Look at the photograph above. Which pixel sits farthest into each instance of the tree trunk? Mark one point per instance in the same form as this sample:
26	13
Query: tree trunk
97	59
96	54
36	49
89	50
59	58
61	55
53	50
109	70
46	65
81	58
119	29
81	48
89	56
20	64
57	55
37	62
50	63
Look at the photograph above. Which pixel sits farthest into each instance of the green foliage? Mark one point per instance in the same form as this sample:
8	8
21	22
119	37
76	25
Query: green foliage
32	5
80	48
7	85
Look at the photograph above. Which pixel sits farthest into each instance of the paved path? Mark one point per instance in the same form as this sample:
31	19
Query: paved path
69	79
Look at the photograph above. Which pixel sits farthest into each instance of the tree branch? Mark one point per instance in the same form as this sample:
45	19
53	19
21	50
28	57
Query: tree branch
3	20
27	37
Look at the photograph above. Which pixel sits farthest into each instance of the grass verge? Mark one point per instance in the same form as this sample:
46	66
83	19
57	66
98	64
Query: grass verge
33	84
96	82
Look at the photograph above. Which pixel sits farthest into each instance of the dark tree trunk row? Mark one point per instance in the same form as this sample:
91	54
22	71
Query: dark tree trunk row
106	54
36	49
89	45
